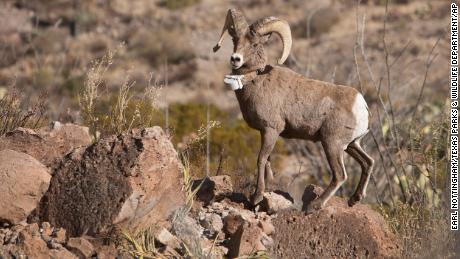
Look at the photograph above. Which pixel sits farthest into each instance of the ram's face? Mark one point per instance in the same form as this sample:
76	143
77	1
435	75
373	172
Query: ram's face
248	53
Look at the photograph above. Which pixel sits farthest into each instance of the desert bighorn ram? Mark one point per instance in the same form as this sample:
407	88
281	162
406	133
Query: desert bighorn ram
279	102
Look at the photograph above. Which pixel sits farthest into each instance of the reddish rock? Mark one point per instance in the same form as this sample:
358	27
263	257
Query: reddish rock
80	247
104	249
247	235
247	239
214	188
266	226
232	223
108	251
23	181
133	180
336	231
166	238
60	235
46	229
30	245
47	144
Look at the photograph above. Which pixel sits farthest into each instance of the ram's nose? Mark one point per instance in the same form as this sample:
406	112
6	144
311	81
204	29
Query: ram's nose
236	60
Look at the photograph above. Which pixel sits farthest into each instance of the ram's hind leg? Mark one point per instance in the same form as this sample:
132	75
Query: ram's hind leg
355	150
334	153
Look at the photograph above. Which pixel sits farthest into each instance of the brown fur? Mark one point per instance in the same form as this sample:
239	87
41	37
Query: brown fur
279	102
297	107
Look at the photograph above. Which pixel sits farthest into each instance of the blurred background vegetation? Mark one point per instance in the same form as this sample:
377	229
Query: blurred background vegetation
113	65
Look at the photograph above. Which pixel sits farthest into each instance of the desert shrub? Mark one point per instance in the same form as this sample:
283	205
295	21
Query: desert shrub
43	77
9	53
425	214
107	113
178	4
16	111
46	41
161	45
86	20
111	118
420	227
423	211
71	85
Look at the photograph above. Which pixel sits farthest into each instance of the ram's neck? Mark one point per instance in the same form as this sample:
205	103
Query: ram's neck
248	69
250	81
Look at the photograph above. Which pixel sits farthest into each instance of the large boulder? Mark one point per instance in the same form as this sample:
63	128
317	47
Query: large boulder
133	180
23	181
336	231
49	143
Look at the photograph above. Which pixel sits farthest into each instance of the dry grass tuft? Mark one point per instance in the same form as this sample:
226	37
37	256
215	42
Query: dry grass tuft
16	111
190	193
113	114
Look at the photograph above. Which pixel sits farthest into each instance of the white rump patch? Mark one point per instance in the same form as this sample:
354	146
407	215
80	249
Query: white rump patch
361	113
234	81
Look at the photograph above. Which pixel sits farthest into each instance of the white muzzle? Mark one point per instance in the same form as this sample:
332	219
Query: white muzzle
236	60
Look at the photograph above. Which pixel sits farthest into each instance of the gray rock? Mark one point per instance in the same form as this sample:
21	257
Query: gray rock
274	202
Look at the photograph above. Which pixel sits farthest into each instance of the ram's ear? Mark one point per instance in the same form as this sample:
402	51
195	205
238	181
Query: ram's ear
265	38
235	24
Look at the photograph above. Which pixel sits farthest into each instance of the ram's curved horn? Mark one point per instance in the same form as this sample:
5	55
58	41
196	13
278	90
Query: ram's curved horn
235	24
275	25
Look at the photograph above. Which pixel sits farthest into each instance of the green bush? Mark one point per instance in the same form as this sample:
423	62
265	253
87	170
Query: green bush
233	145
178	4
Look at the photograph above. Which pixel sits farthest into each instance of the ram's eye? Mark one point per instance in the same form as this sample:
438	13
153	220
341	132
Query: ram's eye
255	45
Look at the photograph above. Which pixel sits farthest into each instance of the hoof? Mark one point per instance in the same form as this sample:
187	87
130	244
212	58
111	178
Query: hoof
353	200
256	198
310	211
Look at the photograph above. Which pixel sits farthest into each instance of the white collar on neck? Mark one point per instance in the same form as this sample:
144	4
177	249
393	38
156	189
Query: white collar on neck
234	81
237	81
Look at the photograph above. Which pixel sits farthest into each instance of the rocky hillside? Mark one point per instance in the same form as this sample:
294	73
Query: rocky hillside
120	176
48	45
97	200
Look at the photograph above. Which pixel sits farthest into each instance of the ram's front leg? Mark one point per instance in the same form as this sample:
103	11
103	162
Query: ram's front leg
268	141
